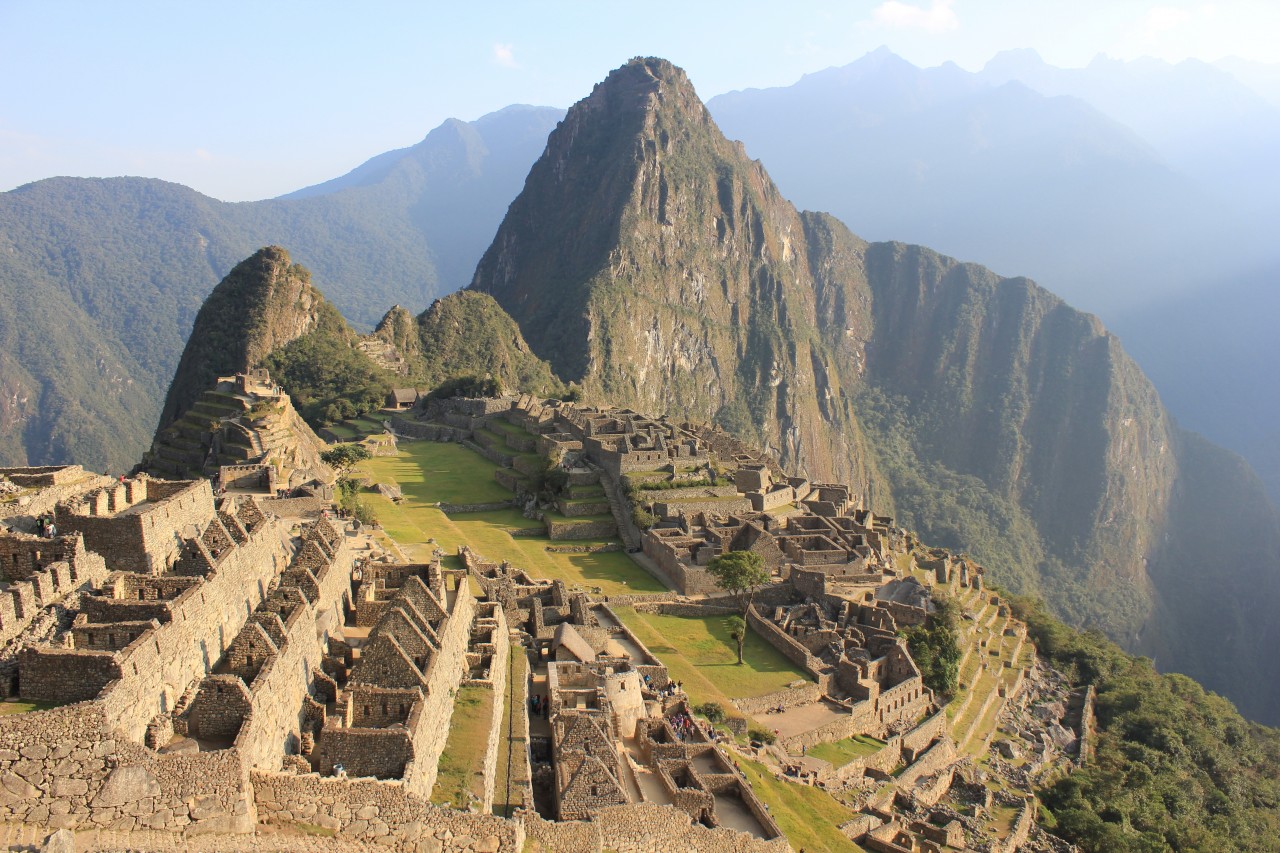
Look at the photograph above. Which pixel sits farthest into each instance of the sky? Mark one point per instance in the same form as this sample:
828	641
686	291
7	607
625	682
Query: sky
249	100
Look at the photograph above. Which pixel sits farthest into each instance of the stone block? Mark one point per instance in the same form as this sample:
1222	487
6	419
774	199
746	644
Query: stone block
61	841
17	787
127	785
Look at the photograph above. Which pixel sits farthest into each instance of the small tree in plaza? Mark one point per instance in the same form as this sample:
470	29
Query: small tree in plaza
741	573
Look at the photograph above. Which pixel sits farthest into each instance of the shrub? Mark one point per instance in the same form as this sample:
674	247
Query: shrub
712	711
762	735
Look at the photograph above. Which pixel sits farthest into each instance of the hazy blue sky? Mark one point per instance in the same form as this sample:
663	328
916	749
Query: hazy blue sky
249	100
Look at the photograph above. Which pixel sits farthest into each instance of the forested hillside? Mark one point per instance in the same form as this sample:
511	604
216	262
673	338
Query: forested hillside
104	276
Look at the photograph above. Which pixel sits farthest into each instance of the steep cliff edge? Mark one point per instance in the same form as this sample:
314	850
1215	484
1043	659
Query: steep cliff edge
650	260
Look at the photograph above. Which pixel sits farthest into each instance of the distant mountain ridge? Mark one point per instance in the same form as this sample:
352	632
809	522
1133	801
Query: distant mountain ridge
650	260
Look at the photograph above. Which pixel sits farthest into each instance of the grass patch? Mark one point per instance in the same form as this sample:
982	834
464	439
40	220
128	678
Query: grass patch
809	816
431	471
461	774
842	752
343	431
700	652
564	519
428	472
505	426
8	708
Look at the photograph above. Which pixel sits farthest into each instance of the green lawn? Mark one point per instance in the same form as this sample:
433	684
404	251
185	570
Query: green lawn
842	752
809	816
505	426
344	432
461	773
19	707
700	653
428	472
577	519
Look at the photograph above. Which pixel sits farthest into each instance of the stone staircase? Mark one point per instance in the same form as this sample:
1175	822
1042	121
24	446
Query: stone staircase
621	510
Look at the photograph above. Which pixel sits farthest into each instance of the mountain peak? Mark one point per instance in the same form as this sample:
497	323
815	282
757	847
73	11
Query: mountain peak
263	303
1014	63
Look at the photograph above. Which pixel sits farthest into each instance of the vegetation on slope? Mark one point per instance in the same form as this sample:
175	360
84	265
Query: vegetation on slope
936	647
329	379
263	303
116	270
467	336
1176	768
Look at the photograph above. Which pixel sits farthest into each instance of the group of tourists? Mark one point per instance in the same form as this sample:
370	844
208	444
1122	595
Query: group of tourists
684	725
540	705
671	688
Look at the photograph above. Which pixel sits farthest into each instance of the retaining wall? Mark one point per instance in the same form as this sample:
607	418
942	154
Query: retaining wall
380	812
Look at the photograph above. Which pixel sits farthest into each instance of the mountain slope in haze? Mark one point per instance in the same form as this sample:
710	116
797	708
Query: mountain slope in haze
1202	120
648	259
1108	184
122	265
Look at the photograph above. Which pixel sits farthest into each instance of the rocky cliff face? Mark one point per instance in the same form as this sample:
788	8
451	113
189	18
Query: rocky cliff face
265	302
650	260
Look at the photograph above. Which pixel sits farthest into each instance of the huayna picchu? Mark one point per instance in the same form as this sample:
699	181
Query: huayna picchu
695	523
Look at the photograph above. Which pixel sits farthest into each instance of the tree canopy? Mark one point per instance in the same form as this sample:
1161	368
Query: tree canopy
739	572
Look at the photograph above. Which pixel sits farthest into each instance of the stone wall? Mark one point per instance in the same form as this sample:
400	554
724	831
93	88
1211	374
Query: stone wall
788	647
257	477
922	736
279	693
63	768
580	529
681	493
498	675
364	753
22	555
643	828
156	669
308	507
765	501
383	813
429	721
41	476
786	698
47	583
729	506
580	509
149	538
931	761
